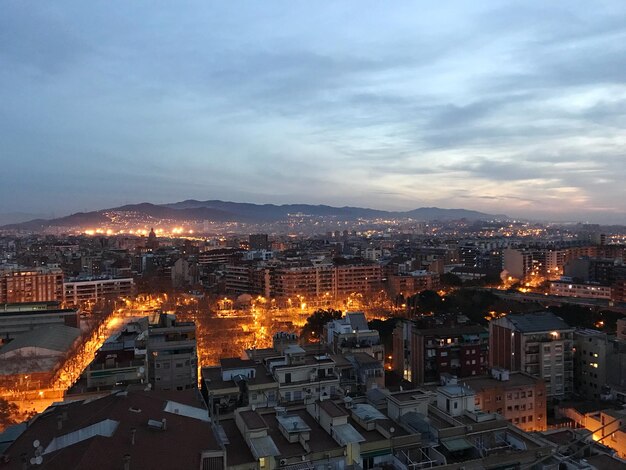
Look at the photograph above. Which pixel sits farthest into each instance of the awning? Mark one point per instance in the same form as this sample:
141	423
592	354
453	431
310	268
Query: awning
456	444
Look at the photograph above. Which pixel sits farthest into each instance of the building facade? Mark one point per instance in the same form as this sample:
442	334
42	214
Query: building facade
519	397
540	344
172	354
422	355
93	289
31	285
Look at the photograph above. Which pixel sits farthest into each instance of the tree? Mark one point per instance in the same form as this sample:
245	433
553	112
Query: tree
385	330
429	301
314	326
450	280
8	413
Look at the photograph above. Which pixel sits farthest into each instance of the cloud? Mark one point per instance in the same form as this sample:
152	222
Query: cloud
515	108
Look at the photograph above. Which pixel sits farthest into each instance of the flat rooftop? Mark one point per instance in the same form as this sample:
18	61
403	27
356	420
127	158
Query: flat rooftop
212	377
488	382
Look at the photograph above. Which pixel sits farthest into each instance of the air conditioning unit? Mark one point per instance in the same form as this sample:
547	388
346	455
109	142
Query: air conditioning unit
283	462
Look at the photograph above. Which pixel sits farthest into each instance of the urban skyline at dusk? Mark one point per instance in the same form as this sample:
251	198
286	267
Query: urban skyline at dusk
292	235
515	110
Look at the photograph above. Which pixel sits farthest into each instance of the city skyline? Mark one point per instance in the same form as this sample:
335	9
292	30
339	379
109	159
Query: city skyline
514	110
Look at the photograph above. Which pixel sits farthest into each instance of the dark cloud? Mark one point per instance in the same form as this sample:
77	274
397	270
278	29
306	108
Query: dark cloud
478	104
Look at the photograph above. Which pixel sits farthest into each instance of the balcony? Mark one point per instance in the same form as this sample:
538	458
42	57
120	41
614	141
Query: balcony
117	365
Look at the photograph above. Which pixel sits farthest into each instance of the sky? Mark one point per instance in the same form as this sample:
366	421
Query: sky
508	107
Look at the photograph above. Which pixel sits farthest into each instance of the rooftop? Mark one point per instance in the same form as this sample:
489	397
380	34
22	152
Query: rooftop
486	382
451	330
236	363
332	409
57	338
537	322
106	446
252	420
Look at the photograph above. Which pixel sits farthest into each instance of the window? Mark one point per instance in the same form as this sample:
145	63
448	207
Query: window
288	378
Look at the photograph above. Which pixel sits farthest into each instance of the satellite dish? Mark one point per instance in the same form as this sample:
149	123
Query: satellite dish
39	460
392	429
142	370
36	443
32	460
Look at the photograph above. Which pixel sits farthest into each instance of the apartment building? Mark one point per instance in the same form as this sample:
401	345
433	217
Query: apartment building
540	344
590	363
300	375
351	334
31	285
412	283
172	354
519	397
80	291
568	288
307	280
122	359
422	355
237	383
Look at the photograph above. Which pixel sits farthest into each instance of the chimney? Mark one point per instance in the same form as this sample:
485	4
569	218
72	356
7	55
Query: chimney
59	422
164	421
133	431
126	461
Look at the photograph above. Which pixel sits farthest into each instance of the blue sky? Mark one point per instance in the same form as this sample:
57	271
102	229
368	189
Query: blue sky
506	107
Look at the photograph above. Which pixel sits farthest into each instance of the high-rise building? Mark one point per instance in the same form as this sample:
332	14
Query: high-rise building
539	344
590	363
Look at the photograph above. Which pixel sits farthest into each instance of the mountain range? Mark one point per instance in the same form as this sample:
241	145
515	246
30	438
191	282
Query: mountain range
224	211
